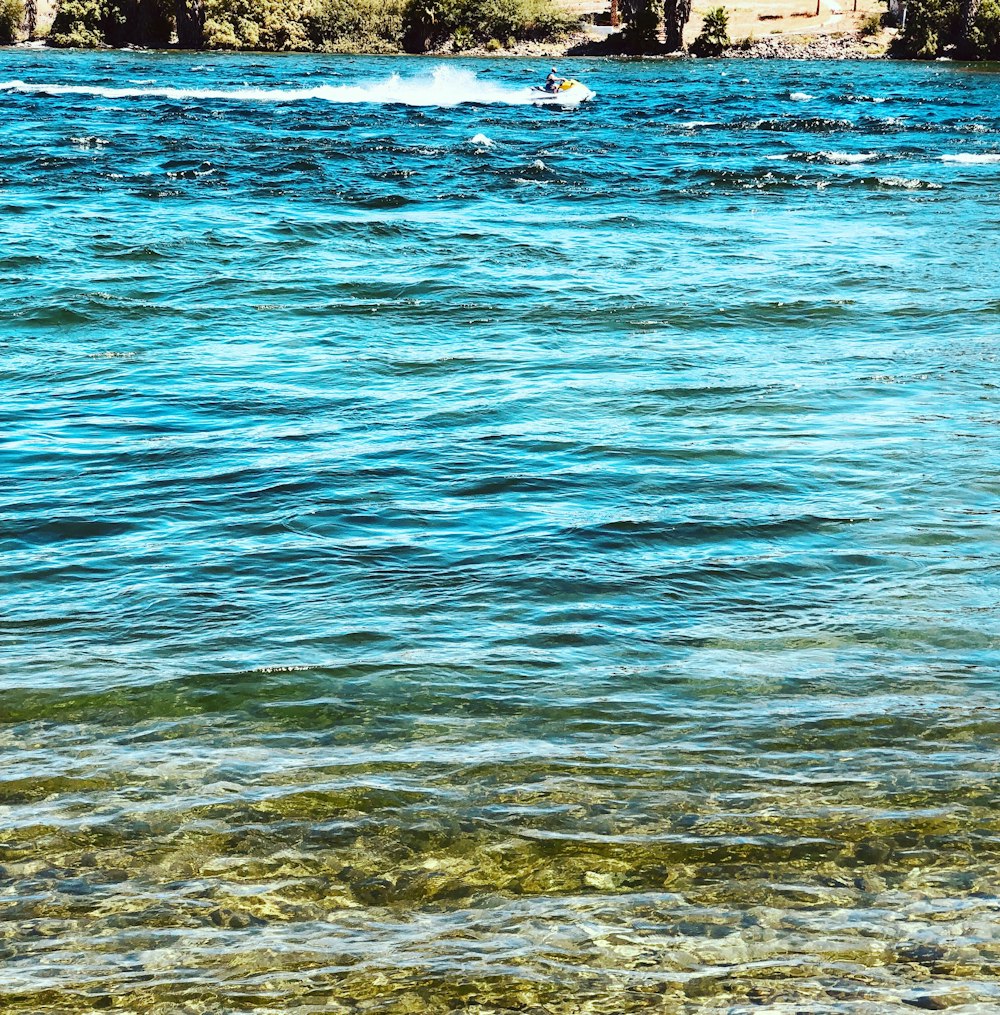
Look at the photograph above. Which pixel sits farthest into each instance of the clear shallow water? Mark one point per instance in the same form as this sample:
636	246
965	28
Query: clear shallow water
465	556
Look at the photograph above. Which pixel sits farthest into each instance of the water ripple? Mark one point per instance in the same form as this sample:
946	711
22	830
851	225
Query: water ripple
463	556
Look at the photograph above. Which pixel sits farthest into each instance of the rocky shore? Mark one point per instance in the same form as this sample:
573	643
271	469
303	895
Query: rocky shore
577	44
845	46
824	47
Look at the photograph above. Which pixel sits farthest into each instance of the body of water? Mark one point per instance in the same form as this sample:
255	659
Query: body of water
465	556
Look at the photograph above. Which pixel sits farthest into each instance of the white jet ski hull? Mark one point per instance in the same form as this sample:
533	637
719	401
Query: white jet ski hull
571	96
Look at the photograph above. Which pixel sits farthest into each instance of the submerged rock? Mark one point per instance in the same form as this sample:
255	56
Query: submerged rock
936	1002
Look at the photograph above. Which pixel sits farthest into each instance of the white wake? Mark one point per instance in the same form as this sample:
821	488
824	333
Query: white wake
970	158
444	86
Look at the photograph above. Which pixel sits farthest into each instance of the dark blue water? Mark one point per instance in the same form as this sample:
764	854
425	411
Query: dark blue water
465	556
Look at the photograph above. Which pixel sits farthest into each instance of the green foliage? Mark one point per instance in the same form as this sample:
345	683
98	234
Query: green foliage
338	26
463	38
517	19
256	24
931	25
469	23
92	23
79	23
714	35
357	26
984	40
11	19
928	26
871	25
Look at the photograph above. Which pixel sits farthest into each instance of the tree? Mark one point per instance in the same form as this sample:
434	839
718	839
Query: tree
11	17
146	23
933	26
190	21
714	35
641	20
675	16
968	11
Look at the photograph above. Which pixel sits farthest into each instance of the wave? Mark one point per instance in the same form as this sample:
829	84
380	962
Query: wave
847	158
828	157
981	158
444	86
793	125
907	183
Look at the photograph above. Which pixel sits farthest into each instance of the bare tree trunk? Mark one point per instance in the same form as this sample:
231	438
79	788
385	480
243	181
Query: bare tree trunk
190	24
30	17
675	17
967	12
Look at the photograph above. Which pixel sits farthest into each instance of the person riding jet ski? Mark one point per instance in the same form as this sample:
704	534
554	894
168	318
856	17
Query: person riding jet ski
556	91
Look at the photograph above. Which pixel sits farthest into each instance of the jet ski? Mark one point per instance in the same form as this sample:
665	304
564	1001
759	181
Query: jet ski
569	93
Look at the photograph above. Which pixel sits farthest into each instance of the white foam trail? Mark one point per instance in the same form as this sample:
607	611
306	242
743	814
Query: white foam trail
444	86
800	96
848	158
482	140
983	158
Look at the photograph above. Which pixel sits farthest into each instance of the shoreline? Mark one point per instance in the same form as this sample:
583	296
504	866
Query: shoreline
767	47
579	46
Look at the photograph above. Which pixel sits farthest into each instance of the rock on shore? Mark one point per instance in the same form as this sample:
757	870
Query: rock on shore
824	47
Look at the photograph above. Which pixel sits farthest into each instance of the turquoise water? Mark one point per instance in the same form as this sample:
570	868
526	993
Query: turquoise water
465	556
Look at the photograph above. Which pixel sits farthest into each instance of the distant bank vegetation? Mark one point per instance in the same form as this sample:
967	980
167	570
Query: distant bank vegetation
331	26
11	17
966	29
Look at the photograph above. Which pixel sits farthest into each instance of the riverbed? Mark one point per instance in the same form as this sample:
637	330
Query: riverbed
466	556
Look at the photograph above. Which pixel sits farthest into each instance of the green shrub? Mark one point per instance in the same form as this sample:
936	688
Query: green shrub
517	19
11	20
469	23
342	26
357	26
78	23
985	37
714	35
871	25
928	27
93	23
931	25
256	24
